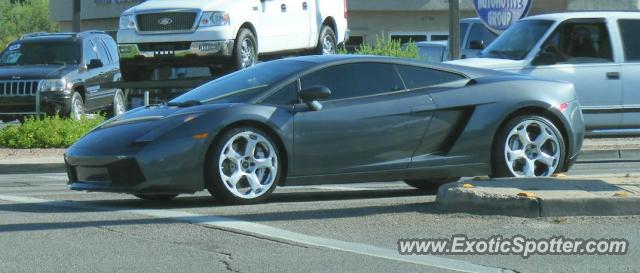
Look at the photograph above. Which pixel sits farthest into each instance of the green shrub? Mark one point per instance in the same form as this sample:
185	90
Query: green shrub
388	47
47	132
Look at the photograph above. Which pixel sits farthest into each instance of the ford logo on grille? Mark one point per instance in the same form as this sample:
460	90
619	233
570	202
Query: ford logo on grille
165	21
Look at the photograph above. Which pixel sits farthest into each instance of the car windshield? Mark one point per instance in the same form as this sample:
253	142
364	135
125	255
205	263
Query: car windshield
517	41
432	53
41	53
244	84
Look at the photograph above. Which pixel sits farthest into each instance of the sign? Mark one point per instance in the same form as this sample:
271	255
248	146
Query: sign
498	15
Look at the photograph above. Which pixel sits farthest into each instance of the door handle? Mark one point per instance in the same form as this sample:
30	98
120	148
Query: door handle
283	7
305	5
613	75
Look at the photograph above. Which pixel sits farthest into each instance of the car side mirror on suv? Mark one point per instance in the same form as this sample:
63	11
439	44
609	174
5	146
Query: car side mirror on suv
95	63
476	45
311	95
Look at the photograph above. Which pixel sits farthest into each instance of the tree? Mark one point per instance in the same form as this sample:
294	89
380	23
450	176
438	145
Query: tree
21	17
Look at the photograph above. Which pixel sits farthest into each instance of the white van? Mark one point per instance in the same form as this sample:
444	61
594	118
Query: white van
599	52
227	33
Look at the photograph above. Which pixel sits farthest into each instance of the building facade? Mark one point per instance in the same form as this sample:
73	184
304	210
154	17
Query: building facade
368	19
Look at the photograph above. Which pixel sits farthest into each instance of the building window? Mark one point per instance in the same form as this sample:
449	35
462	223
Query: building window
406	37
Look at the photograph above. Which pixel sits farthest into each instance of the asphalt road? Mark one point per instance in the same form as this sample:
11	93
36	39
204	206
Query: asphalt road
343	228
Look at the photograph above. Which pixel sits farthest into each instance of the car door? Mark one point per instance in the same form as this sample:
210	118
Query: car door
370	122
298	23
104	96
588	64
270	27
629	30
92	77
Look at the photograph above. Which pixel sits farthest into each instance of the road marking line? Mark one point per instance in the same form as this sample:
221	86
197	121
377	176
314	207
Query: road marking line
272	232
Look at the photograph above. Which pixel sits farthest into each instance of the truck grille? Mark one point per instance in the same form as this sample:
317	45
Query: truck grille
169	21
18	88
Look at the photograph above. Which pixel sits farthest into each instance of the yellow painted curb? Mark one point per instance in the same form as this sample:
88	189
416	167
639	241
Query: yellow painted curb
481	178
468	186
527	194
621	194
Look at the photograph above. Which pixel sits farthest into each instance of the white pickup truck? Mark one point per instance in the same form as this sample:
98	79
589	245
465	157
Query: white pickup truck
225	34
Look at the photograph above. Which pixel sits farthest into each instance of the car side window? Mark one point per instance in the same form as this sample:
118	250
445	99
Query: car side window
630	32
463	32
480	33
288	95
575	42
356	80
89	51
102	52
112	47
419	77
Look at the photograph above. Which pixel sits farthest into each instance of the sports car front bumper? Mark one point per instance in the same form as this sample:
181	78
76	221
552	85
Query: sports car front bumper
150	168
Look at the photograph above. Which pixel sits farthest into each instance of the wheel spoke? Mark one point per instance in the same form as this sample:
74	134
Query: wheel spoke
264	163
250	149
515	155
523	136
254	182
232	154
233	179
529	168
542	138
546	159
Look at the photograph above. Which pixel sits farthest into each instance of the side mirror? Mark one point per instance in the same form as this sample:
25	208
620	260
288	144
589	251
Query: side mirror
476	45
544	58
311	95
95	63
83	68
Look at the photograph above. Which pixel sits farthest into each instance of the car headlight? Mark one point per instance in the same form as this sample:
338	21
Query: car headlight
55	85
215	19
127	21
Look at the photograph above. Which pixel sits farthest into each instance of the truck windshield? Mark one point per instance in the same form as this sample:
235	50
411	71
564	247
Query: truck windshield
41	53
243	85
517	41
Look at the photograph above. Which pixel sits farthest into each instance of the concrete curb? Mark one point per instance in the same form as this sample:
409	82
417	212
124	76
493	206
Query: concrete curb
539	197
609	155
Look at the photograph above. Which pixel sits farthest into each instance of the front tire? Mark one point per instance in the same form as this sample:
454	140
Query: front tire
245	52
243	167
430	185
528	146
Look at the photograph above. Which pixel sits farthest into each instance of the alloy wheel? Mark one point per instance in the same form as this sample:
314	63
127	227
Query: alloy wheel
328	45
119	104
77	106
247	52
248	165
532	149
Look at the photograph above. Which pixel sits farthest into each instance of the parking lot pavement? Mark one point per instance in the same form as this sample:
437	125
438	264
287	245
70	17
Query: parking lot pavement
351	228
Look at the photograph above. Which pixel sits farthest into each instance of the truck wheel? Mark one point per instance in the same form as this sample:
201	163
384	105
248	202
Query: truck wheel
77	106
245	52
136	73
327	42
119	103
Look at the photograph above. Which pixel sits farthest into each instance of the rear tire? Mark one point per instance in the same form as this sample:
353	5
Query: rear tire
327	41
119	103
77	106
528	146
156	197
430	185
243	167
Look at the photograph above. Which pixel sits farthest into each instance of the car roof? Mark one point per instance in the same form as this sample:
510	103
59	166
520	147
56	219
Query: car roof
62	36
471	20
584	15
335	59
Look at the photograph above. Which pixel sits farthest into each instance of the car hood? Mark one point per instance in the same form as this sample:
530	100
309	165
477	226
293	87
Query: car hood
490	63
141	125
30	72
183	4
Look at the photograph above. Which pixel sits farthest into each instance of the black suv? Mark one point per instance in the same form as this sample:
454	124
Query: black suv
63	71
